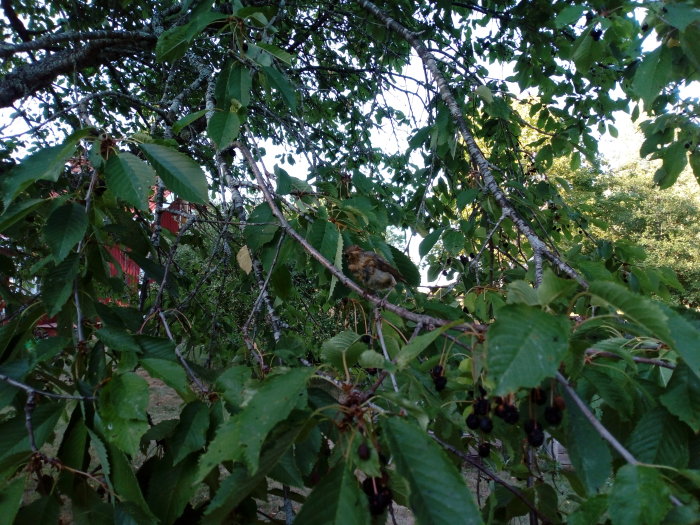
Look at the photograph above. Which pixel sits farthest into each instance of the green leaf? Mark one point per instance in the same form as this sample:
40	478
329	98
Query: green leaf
636	308
453	242
45	509
439	494
58	284
187	120
660	438
466	197
127	486
553	288
372	359
235	488
47	349
653	74
685	339
338	263
343	349
674	162
11	499
45	164
690	44
522	292
179	172
242	436
151	268
588	452
157	347
638	496
569	15
582	52
611	385
277	52
406	267
171	373
231	383
682	397
100	451
590	511
525	346
329	241
336	500
118	339
694	157
18	211
172	44
257	234
485	93
122	407
64	228
171	486
13	432
427	244
419	343
130	179
191	432
234	83
280	82
73	450
224	126
680	15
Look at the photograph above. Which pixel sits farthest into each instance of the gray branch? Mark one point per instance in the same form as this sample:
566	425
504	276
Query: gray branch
475	152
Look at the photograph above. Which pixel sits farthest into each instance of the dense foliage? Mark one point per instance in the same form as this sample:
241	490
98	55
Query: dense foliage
624	206
233	152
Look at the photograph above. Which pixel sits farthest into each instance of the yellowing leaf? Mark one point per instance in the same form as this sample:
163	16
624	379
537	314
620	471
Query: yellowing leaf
244	261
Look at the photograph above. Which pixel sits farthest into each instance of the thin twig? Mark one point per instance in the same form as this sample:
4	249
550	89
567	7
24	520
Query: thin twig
593	353
263	288
41	393
479	465
169	262
190	373
384	350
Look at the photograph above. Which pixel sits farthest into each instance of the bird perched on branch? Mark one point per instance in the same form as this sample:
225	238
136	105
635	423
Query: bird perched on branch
371	270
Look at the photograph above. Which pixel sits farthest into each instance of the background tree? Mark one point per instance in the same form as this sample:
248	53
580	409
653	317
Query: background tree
264	118
624	207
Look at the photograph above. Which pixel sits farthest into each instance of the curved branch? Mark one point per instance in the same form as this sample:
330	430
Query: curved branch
49	41
30	78
426	320
475	152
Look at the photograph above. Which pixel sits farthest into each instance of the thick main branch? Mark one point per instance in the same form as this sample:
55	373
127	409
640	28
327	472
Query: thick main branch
30	78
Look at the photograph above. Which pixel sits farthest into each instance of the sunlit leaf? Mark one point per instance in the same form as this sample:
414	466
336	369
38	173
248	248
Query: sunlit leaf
525	346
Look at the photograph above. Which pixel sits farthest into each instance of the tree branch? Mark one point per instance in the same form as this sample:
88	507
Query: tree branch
31	78
49	41
426	320
478	464
474	151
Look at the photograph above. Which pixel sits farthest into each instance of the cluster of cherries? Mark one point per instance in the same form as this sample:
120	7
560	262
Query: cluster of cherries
378	493
479	418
